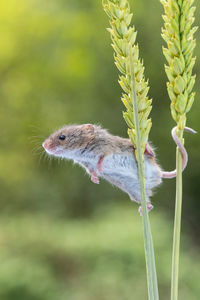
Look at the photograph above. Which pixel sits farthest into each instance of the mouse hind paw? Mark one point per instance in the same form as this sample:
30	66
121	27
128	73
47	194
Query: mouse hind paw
94	177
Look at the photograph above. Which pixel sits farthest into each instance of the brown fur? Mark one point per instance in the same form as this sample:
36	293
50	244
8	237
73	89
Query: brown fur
89	137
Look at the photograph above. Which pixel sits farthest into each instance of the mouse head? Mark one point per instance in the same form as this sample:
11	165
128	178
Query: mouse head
70	137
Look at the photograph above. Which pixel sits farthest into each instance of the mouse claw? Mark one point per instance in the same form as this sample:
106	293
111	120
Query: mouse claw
149	208
140	210
94	178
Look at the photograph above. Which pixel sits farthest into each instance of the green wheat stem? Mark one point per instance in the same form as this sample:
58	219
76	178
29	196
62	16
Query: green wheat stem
148	242
138	107
177	228
178	34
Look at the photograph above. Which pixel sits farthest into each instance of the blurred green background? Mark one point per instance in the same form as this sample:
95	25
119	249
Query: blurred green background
61	236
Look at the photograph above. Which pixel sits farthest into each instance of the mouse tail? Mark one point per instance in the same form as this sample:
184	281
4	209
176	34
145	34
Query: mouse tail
183	151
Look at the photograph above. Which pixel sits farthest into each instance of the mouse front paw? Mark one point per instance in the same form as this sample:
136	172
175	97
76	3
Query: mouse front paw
94	177
149	208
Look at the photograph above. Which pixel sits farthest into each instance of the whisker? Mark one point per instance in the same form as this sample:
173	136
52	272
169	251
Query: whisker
37	150
42	156
50	158
36	140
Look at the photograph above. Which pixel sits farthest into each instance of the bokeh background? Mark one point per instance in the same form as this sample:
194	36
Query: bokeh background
61	236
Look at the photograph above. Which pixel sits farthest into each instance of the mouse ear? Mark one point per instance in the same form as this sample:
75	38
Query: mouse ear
88	127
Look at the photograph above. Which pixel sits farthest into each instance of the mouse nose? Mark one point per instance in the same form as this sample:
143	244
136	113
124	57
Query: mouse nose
45	145
48	145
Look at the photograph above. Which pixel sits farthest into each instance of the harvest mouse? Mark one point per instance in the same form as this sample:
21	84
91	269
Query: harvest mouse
110	157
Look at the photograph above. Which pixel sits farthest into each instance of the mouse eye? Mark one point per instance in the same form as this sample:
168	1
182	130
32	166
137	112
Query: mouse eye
62	137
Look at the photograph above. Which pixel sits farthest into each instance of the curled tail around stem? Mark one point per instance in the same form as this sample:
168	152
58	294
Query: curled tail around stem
183	151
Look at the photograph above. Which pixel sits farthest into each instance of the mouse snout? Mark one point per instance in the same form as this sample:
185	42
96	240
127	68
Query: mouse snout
48	145
44	145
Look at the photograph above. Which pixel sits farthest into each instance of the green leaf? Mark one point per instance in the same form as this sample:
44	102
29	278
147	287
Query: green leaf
190	102
191	84
128	119
178	66
171	92
179	84
181	102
